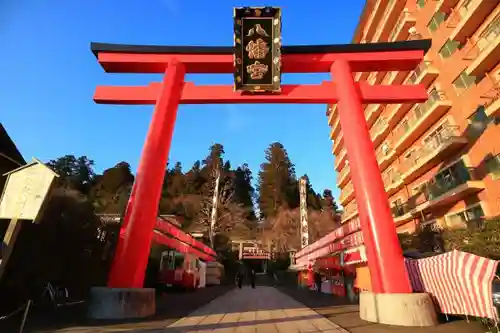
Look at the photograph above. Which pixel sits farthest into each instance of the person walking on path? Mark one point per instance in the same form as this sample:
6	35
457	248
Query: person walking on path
239	279
252	278
239	276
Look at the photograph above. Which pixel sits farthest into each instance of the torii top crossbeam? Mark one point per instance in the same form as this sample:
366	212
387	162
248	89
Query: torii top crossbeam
399	56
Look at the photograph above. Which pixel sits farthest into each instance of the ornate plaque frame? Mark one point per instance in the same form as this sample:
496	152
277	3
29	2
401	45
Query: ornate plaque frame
257	49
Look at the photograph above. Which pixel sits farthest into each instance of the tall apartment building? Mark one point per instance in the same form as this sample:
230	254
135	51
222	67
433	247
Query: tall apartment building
439	160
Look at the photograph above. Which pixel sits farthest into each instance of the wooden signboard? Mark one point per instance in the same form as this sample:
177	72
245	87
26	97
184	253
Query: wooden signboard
23	198
257	49
25	191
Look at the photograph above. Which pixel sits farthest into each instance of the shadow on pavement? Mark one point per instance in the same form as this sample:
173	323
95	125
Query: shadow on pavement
339	311
170	307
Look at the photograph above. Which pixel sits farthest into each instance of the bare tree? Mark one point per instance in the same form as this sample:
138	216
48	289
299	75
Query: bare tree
283	230
218	208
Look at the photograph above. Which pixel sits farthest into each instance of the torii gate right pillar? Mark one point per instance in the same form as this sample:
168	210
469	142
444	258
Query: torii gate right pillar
384	254
392	301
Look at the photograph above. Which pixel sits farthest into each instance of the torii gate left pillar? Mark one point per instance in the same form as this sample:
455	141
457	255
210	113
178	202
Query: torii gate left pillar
384	254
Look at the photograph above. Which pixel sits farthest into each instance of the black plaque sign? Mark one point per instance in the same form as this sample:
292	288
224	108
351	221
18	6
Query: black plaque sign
257	49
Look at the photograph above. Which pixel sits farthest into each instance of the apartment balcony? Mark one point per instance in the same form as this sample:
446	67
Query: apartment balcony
385	155
372	112
405	21
392	182
377	131
420	119
334	132
402	213
492	97
389	76
347	194
440	145
357	76
485	51
424	74
397	113
467	19
332	114
446	188
340	159
350	212
445	5
338	144
393	78
372	78
389	20
415	36
344	176
375	16
447	191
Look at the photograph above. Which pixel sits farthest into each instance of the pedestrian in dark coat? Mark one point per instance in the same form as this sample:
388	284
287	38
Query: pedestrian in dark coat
252	278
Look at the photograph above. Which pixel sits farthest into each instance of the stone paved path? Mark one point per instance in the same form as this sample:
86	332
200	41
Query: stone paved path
262	310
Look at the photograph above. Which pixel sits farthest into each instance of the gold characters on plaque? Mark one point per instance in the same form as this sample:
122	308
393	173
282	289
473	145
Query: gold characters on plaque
257	70
257	49
257	29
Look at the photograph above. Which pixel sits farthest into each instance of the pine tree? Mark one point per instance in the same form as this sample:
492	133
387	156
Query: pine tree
313	199
111	190
243	190
329	202
194	179
277	184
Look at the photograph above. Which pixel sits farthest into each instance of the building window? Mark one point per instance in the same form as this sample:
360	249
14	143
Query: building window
489	34
448	179
385	148
421	3
411	158
463	82
464	9
478	122
436	20
397	207
417	189
405	126
449	48
493	165
470	217
438	136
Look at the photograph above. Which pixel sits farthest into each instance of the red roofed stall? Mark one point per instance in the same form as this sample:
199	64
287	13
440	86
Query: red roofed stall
178	265
339	257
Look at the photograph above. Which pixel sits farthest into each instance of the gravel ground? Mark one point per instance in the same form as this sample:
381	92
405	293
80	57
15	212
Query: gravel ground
347	316
170	308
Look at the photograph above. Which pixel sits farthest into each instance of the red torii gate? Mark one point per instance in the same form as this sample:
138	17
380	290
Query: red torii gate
384	254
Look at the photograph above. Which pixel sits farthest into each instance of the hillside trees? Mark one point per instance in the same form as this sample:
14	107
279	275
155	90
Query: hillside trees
279	201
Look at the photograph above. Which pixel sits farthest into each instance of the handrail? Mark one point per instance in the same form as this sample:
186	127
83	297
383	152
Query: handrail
378	127
381	153
346	191
424	65
439	139
419	112
391	178
493	94
479	44
401	20
433	189
352	207
344	172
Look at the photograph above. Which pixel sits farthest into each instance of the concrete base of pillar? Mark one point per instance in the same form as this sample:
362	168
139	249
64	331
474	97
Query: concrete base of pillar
121	303
411	310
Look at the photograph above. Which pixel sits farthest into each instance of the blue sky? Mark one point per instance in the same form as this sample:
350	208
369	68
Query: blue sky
48	76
